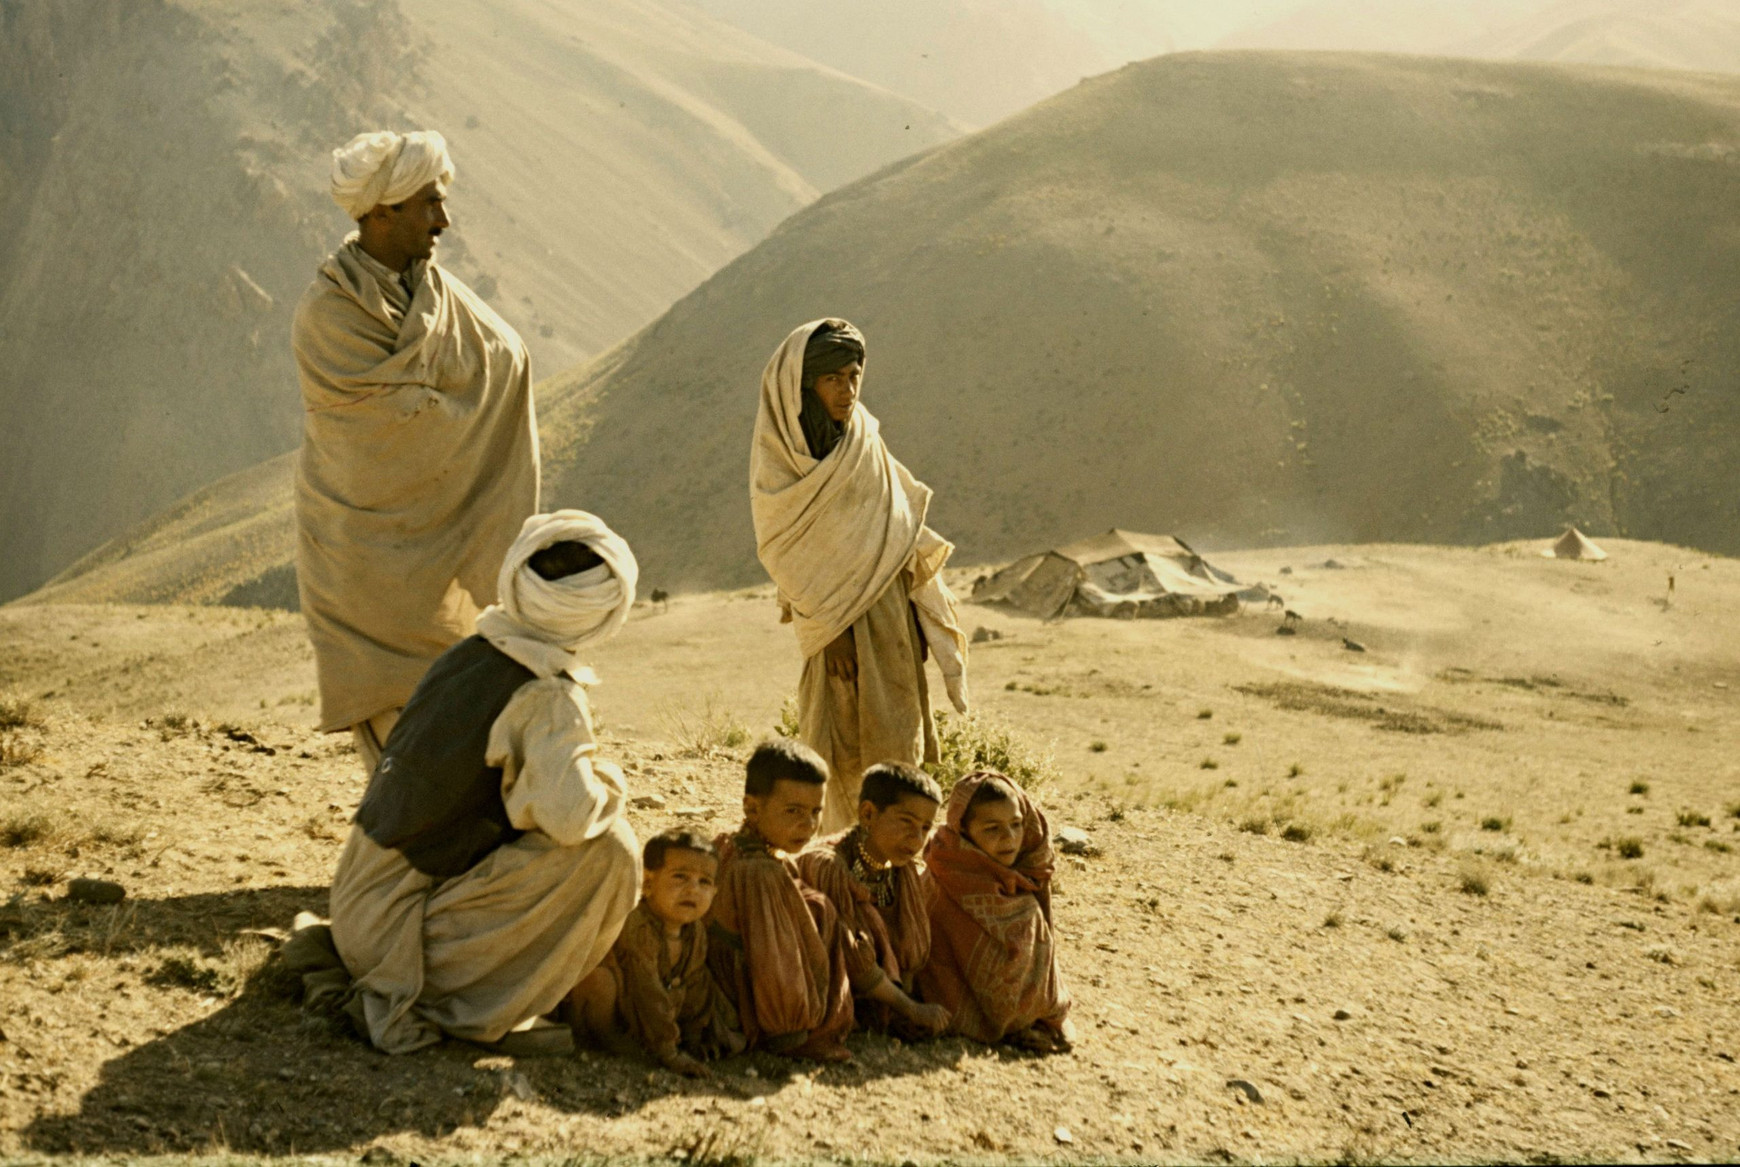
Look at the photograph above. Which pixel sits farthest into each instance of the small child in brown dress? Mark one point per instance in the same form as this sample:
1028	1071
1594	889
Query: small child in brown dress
654	992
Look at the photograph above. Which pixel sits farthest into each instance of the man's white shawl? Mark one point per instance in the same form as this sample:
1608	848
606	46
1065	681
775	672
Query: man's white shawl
419	462
834	533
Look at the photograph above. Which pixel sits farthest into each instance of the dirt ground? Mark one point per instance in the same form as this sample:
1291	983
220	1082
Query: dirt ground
1469	894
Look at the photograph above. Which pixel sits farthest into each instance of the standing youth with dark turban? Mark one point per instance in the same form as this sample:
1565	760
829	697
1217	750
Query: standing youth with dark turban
419	450
839	525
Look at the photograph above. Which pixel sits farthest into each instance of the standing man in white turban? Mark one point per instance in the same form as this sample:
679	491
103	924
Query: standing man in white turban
839	525
491	866
419	447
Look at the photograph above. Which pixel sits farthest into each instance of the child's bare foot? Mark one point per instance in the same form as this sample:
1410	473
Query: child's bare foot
687	1066
1035	1040
785	1043
831	1052
930	1019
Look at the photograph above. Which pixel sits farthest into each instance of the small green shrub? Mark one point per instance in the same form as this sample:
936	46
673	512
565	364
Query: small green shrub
1630	847
1295	770
977	742
18	712
1431	828
1204	714
788	717
1097	747
1692	818
1494	823
1640	787
1231	739
1256	825
1209	764
709	732
1296	833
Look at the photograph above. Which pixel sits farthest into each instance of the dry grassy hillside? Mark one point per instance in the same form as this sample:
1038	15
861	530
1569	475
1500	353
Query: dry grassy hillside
162	170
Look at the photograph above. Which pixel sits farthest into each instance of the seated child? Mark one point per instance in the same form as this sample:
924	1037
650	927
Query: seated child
993	963
882	893
774	942
653	991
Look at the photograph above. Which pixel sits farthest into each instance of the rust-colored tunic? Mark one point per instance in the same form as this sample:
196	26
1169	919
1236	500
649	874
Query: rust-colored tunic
888	939
776	947
667	1004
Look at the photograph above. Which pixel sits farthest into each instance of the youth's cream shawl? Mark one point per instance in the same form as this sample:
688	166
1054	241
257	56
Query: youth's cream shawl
834	533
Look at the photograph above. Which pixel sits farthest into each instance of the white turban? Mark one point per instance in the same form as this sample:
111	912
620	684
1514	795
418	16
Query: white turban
385	167
542	623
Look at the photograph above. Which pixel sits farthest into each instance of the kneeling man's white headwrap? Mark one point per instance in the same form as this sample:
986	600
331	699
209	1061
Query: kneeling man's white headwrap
543	623
386	167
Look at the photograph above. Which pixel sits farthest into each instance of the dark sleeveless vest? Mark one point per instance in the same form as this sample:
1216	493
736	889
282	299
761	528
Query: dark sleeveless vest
432	797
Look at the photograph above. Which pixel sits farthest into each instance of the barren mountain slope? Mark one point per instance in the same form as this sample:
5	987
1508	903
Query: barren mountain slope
976	60
1385	26
162	171
1248	298
1666	34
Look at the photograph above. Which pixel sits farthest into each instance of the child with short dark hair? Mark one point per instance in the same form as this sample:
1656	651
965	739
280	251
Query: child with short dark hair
993	959
775	944
873	875
654	990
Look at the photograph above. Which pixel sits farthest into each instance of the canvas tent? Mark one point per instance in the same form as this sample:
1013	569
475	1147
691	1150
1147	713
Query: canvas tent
1119	573
1573	544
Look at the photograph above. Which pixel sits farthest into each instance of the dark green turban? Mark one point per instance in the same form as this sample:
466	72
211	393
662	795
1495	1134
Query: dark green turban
833	346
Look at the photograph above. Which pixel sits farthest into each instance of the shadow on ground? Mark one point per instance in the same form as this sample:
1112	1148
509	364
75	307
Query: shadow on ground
261	1075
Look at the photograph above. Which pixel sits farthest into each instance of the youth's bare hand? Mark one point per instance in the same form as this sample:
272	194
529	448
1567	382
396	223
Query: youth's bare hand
933	1019
841	657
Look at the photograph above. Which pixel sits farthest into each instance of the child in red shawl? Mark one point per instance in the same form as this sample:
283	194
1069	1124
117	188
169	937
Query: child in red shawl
993	962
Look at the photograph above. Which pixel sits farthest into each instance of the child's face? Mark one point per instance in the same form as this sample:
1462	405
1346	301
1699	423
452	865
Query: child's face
996	829
897	834
786	816
681	891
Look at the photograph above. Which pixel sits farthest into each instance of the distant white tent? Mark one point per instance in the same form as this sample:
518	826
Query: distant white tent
1573	544
1120	573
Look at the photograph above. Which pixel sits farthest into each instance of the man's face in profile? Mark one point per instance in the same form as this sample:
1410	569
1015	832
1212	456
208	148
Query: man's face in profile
413	226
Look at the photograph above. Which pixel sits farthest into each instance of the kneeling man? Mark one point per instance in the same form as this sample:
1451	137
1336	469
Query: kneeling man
491	865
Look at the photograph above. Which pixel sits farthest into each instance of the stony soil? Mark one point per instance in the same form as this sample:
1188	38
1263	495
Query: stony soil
1285	919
